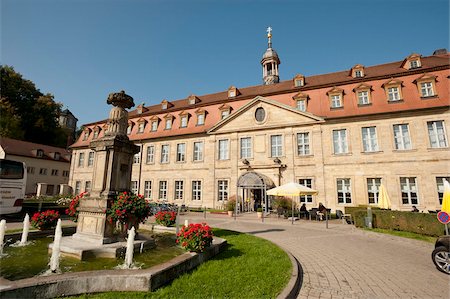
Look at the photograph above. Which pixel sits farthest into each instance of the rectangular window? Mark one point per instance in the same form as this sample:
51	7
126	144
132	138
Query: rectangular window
141	127
246	148
340	141
87	186
54	172
408	186
137	157
223	149
393	94
65	173
81	160
163	190
436	133
30	170
134	187
301	105
91	159
95	134
303	144
165	153
129	128
168	124
224	113
184	121
181	152
200	119
148	189
198	151
363	97
85	135
154	126
276	146
150	154
369	139
401	137
336	101
307	183
344	191
77	187
414	64
426	89
179	190
440	187
373	187
43	171
222	189
196	190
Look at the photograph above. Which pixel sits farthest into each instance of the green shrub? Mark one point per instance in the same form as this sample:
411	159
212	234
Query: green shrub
420	223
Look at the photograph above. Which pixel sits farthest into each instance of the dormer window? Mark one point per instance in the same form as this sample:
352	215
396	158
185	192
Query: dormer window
165	104
299	80
225	110
393	89
193	99
184	118
363	94
168	122
39	153
357	71
154	121
96	132
411	62
57	156
140	109
301	101
129	128
141	125
233	92
336	96
426	85
200	117
105	129
85	135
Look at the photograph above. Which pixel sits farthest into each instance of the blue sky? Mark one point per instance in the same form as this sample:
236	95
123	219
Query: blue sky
82	50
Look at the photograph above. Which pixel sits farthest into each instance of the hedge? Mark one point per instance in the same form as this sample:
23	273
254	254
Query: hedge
420	223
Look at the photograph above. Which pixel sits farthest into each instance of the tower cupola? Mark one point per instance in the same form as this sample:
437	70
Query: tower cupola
270	62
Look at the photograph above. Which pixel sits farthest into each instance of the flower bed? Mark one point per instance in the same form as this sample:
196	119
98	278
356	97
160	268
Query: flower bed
166	218
129	210
195	237
72	210
45	220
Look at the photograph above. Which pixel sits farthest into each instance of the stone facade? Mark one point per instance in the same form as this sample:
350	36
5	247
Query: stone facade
344	152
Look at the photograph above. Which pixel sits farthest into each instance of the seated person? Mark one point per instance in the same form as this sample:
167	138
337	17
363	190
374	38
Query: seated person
303	211
321	211
414	209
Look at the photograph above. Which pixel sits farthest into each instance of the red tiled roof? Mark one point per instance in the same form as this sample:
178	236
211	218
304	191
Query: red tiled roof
28	149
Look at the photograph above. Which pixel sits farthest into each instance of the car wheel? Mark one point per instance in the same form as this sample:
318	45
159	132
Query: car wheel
441	258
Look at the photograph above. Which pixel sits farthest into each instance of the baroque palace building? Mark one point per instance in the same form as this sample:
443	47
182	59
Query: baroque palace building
342	133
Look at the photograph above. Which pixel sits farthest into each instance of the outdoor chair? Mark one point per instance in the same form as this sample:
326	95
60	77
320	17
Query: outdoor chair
313	214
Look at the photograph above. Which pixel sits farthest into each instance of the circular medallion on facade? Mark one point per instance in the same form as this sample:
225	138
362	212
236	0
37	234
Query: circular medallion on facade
260	114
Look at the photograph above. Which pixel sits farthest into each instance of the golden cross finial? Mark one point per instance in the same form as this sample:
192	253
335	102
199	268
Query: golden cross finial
269	32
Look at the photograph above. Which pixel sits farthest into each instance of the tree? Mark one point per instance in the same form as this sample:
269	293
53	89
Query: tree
27	113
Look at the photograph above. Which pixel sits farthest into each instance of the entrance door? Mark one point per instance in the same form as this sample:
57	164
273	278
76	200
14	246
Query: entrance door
257	198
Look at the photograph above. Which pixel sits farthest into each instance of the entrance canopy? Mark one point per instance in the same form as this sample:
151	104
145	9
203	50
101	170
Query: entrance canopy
254	180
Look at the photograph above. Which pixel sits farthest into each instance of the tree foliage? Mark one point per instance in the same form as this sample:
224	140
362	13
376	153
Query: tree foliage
26	113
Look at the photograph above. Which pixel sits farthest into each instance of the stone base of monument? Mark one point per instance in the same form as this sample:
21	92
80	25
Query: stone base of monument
72	247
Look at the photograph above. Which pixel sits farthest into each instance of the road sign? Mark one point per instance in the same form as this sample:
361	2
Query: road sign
443	217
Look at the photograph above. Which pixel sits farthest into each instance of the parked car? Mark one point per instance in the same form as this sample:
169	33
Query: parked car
441	254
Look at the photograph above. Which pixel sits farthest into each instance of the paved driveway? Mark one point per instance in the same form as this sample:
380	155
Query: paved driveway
344	262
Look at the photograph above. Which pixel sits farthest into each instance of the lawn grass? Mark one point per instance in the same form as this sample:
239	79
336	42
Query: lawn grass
250	268
403	234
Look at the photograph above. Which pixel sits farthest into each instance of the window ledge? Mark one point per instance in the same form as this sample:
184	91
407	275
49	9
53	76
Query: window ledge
305	156
180	162
372	153
429	97
394	102
444	148
343	154
336	108
404	150
365	105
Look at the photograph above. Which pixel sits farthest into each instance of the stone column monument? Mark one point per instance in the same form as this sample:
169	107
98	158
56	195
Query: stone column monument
112	173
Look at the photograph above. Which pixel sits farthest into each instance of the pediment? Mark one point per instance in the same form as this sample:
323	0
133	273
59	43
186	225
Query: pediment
276	115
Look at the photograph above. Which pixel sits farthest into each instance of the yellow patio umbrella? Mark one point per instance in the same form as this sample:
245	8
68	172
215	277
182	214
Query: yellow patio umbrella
292	189
384	201
446	198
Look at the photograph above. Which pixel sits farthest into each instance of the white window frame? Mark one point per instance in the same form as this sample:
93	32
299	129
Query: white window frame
223	149
150	154
301	105
222	190
198	152
408	187
168	124
196	190
165	153
81	160
77	188
436	134
440	187
184	121
373	190
91	156
426	89
200	119
87	186
141	127
181	152
345	192
303	144
308	182
129	129
224	114
336	100
162	192
369	139
340	145
148	189
363	97
393	93
154	127
179	190
246	147
402	137
276	145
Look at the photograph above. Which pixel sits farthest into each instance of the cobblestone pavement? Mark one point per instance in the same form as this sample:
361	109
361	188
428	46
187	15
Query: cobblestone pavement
345	262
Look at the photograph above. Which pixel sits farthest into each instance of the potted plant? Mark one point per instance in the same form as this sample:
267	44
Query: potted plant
72	210
45	220
259	212
231	206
